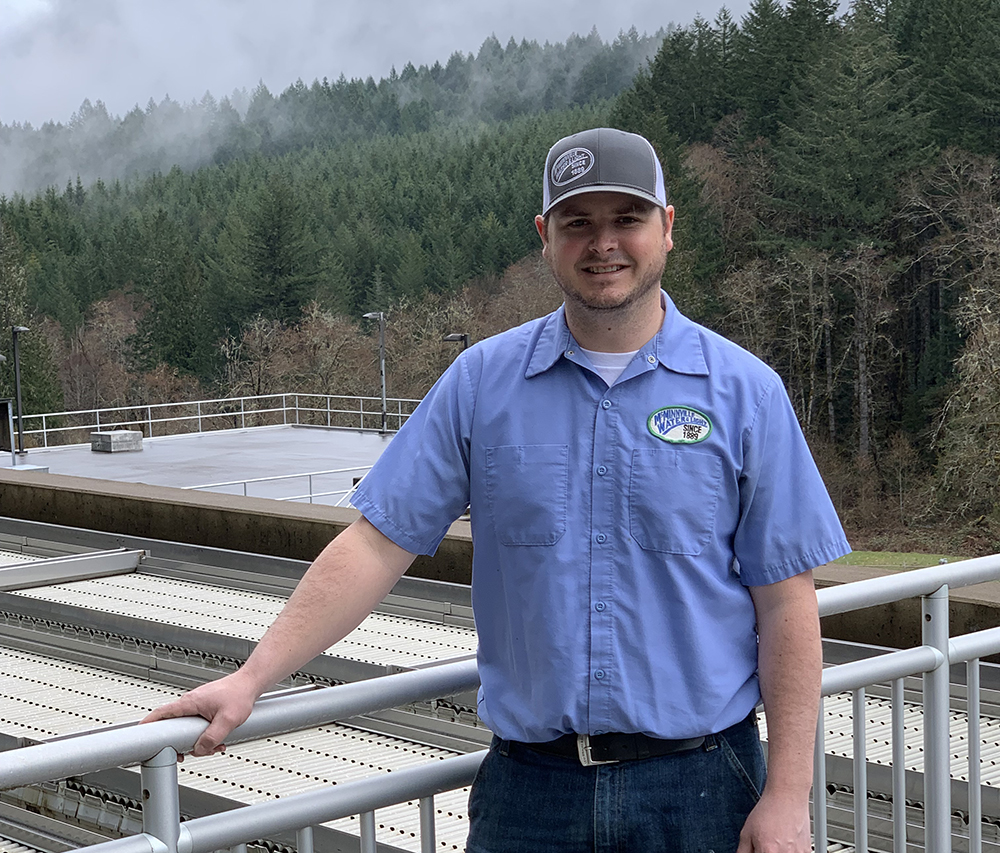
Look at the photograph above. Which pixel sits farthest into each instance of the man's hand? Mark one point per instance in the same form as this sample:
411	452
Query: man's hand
776	827
225	703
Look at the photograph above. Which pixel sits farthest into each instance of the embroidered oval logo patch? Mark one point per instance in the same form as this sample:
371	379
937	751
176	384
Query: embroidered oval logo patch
680	425
571	165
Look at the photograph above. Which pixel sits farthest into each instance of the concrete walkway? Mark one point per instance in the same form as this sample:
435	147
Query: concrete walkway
227	455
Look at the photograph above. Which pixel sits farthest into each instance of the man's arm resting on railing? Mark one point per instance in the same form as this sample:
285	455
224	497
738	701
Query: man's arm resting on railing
790	660
342	586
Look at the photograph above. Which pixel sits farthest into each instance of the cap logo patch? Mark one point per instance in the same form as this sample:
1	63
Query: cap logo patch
571	165
679	425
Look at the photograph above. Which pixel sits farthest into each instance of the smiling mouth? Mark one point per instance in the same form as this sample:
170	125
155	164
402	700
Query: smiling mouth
605	269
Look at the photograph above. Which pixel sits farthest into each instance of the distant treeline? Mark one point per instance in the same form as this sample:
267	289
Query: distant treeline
837	200
497	84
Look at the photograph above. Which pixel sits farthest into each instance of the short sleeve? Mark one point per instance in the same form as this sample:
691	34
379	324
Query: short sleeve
787	524
420	483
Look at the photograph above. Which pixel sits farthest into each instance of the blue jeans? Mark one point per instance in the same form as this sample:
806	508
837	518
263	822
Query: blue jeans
523	801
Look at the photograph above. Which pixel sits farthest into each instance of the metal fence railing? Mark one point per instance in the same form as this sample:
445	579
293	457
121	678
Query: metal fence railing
158	419
310	478
156	745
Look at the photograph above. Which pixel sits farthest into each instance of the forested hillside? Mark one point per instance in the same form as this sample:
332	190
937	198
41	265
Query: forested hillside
837	200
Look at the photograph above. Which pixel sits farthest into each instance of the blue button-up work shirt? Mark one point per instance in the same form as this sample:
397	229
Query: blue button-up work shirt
616	529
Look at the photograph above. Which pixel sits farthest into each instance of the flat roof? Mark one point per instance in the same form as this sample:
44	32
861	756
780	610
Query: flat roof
226	455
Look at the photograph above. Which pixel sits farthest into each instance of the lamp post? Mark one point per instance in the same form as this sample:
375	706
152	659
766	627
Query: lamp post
15	331
458	337
380	316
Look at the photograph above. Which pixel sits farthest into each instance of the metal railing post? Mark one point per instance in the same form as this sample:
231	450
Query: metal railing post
243	414
304	839
860	761
199	417
427	834
161	815
898	768
975	748
45	433
368	843
937	772
149	419
819	783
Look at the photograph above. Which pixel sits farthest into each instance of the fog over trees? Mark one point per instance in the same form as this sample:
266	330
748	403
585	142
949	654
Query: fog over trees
837	198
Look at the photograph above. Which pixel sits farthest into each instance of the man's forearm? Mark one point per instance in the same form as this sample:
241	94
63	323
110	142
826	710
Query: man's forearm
341	587
790	662
790	668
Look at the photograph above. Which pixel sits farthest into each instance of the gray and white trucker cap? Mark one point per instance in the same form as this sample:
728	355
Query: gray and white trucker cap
602	160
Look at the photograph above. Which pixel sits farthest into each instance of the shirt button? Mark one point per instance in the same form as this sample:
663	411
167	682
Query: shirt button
651	359
599	607
569	352
599	674
605	404
601	538
602	470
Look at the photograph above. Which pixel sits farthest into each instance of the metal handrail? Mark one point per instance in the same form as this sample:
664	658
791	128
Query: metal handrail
157	744
310	495
290	406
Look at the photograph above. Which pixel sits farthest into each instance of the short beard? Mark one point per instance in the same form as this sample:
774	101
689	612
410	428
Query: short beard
650	282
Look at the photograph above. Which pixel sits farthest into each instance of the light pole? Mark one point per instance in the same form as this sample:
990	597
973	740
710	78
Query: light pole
456	337
380	316
15	331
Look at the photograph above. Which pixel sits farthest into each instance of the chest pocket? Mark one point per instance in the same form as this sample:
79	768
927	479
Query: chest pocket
527	486
673	497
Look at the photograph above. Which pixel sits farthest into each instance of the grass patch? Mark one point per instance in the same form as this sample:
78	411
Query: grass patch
894	559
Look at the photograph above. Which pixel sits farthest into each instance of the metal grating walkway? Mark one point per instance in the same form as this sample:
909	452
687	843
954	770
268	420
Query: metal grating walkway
382	639
42	698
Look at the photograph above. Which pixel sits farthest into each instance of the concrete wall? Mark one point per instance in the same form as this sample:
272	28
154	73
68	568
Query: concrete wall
300	531
278	528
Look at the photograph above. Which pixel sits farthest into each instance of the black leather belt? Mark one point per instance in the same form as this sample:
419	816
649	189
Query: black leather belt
612	747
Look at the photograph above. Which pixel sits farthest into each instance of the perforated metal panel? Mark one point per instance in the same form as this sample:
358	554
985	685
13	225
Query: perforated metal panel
382	639
42	698
9	558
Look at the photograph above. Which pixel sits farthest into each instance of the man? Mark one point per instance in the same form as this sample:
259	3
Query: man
646	515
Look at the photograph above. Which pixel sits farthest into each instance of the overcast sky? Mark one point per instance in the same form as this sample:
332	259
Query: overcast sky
55	53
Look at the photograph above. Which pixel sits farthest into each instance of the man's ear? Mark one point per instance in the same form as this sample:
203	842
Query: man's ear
542	227
668	224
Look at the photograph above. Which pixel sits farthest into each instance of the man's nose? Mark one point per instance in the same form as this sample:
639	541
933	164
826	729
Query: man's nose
604	240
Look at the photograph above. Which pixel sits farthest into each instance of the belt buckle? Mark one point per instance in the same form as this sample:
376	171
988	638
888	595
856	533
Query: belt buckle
583	751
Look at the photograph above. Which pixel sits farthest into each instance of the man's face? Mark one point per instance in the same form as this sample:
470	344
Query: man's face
607	250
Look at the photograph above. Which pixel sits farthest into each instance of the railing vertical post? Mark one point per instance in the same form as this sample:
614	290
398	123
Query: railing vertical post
328	410
97	417
937	772
975	768
45	433
819	783
310	488
859	714
898	768
243	414
149	419
161	815
304	839
427	840
368	844
199	417
296	410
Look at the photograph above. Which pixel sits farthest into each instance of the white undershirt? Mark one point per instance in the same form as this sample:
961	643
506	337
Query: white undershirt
609	365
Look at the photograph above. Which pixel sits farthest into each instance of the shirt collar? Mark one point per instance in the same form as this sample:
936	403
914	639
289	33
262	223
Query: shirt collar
677	346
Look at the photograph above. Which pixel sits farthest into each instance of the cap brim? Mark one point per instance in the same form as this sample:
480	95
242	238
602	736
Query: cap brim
604	188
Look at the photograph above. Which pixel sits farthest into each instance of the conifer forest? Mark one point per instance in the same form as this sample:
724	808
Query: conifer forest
837	196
